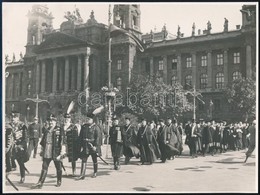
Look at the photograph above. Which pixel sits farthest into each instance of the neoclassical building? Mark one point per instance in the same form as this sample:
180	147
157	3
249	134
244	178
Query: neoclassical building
59	64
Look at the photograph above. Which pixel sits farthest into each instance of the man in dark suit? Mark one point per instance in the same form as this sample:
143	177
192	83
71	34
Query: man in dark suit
34	133
90	145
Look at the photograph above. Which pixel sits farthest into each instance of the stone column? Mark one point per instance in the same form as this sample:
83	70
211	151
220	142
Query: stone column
66	76
61	75
151	66
43	81
38	77
194	73
86	71
79	73
165	69
248	61
73	71
54	76
13	87
179	68
225	63
209	69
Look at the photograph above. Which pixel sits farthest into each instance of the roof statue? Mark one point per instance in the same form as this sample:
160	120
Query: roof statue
21	56
14	57
92	19
6	58
179	32
165	32
193	29
225	25
209	26
74	17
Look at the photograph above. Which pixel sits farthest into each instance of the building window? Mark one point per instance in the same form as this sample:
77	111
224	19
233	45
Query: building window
119	64
147	67
174	63
161	65
220	60
33	40
29	74
203	60
236	75
188	62
236	57
219	80
29	89
203	81
119	83
174	80
188	80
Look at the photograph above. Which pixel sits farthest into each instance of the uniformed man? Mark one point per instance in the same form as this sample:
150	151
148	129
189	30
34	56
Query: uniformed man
251	135
130	144
116	139
71	140
89	144
16	144
34	133
52	149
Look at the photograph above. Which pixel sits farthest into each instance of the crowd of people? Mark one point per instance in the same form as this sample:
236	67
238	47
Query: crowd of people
148	140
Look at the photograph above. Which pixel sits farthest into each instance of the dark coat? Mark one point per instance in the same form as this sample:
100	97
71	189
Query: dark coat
54	136
117	137
148	146
34	131
89	135
71	140
16	137
130	148
188	134
206	135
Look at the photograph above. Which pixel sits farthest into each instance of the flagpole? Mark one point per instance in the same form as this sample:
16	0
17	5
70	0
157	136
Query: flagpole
109	117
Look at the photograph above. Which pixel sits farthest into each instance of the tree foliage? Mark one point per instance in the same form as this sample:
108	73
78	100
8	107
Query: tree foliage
241	95
156	98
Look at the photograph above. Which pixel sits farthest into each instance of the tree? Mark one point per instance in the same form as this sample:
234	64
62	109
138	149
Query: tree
149	95
241	96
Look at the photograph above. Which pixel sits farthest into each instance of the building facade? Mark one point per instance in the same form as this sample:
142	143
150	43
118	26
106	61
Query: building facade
60	64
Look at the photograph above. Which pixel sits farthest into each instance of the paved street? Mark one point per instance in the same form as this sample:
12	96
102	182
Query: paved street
220	173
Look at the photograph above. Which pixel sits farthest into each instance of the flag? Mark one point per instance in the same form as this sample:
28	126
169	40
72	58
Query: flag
115	31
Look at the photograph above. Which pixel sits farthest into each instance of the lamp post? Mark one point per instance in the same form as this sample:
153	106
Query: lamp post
195	95
37	101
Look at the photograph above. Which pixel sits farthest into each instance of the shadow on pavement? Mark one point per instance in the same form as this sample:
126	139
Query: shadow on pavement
141	189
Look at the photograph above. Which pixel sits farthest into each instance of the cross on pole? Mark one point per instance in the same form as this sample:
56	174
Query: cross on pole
37	101
195	95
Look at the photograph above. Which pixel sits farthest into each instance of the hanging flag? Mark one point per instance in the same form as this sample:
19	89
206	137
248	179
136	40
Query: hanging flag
115	31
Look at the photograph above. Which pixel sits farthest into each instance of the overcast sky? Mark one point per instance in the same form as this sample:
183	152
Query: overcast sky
153	15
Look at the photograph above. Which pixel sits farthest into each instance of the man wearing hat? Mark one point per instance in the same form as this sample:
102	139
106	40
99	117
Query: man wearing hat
161	139
89	144
71	141
116	139
251	135
149	148
130	144
16	144
52	149
34	133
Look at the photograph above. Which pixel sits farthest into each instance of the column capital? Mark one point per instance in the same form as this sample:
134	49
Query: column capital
54	59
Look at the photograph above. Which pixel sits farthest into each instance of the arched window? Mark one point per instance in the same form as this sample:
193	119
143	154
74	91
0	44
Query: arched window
119	83
203	81
188	82
219	80
174	80
28	89
236	75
